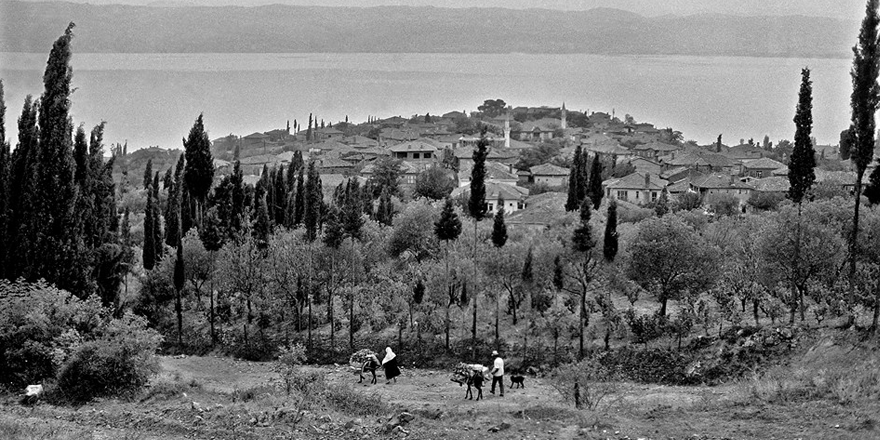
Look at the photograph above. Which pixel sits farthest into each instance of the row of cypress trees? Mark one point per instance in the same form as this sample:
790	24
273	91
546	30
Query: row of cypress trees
58	217
584	181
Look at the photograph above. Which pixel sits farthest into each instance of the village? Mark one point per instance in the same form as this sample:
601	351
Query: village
531	152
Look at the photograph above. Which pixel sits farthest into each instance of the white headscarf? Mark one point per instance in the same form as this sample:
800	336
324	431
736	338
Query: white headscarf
388	355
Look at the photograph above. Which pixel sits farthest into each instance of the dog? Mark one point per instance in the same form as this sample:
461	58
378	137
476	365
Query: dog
516	379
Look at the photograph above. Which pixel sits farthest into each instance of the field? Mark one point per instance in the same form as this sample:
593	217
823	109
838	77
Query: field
222	398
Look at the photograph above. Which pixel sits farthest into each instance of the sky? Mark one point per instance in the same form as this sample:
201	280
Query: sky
843	9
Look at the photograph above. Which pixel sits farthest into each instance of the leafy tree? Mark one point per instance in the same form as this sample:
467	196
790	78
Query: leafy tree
199	172
661	208
179	280
542	153
801	174
609	249
386	176
765	201
433	183
687	201
670	260
864	103
412	234
872	190
334	233
493	107
724	204
594	189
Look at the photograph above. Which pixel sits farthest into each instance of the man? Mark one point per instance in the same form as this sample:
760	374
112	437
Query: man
497	374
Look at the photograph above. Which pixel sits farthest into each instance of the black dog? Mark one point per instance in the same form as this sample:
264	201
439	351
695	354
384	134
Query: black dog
517	379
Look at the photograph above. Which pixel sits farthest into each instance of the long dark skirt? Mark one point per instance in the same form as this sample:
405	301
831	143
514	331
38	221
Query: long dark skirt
391	369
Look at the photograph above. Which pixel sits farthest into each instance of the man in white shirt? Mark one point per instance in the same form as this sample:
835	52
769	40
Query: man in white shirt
497	373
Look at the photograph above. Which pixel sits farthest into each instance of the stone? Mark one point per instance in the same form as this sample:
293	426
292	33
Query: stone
195	406
33	390
399	431
325	418
405	417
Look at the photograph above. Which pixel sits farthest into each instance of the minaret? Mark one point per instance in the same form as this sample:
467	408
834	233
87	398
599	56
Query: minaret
564	125
507	130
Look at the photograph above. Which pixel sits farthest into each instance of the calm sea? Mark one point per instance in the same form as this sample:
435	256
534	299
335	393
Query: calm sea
153	99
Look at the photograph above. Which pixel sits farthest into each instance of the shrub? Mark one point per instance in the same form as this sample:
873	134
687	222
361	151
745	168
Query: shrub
119	362
765	201
288	363
344	398
724	204
687	201
585	383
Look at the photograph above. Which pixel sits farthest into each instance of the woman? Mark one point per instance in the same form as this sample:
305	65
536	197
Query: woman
390	365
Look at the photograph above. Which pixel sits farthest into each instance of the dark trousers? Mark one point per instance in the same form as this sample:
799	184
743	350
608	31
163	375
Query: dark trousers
500	381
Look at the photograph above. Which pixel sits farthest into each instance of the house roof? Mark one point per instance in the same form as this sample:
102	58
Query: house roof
549	170
543	124
696	159
656	146
494	153
764	163
673	171
771	184
359	140
718	180
495	191
331	162
520	145
607	148
494	170
540	209
636	181
413	147
744	150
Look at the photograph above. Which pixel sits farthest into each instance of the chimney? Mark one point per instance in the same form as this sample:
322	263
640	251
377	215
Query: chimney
647	179
731	179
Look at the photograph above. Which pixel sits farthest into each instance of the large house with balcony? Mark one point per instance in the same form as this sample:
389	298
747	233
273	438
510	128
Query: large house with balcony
416	152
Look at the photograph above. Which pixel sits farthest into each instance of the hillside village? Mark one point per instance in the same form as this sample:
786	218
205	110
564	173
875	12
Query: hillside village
530	158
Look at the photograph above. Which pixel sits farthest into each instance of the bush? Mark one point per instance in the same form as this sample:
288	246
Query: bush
585	383
119	362
344	398
687	201
765	201
724	204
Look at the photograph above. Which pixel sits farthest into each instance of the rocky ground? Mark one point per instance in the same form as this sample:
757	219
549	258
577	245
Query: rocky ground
221	398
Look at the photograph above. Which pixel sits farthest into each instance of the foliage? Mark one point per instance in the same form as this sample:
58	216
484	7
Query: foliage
492	107
434	183
386	177
610	244
670	260
477	199
288	362
594	187
765	201
499	229
724	204
199	173
448	227
687	201
413	232
801	174
585	383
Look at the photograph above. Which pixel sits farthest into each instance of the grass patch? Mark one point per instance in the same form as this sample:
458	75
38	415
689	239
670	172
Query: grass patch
17	430
844	385
165	389
345	399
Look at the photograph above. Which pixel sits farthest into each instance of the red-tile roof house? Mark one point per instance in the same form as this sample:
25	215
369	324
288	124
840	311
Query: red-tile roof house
760	168
639	188
549	174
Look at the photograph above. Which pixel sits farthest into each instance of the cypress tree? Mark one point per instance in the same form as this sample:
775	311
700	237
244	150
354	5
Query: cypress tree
211	233
238	196
385	212
313	201
352	215
334	232
594	190
864	102
148	174
5	182
801	174
367	199
199	172
22	190
81	158
56	253
149	250
872	190
499	229
582	241
609	250
157	221
263	225
572	203
309	130
582	238
300	199
583	170
661	208
558	273
168	180
173	223
280	197
448	227
477	210
186	211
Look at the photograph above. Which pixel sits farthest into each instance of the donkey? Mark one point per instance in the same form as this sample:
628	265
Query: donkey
471	375
363	361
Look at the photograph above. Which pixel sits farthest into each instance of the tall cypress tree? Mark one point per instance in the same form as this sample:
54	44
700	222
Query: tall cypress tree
57	253
238	196
179	280
313	201
352	216
157	220
864	102
477	210
148	174
447	229
149	250
385	211
199	172
583	170
22	190
801	167
583	242
280	196
499	229
300	199
263	224
609	249
173	227
5	182
574	182
594	189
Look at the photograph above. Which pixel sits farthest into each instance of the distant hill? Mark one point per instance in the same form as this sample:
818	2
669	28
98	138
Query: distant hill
31	27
